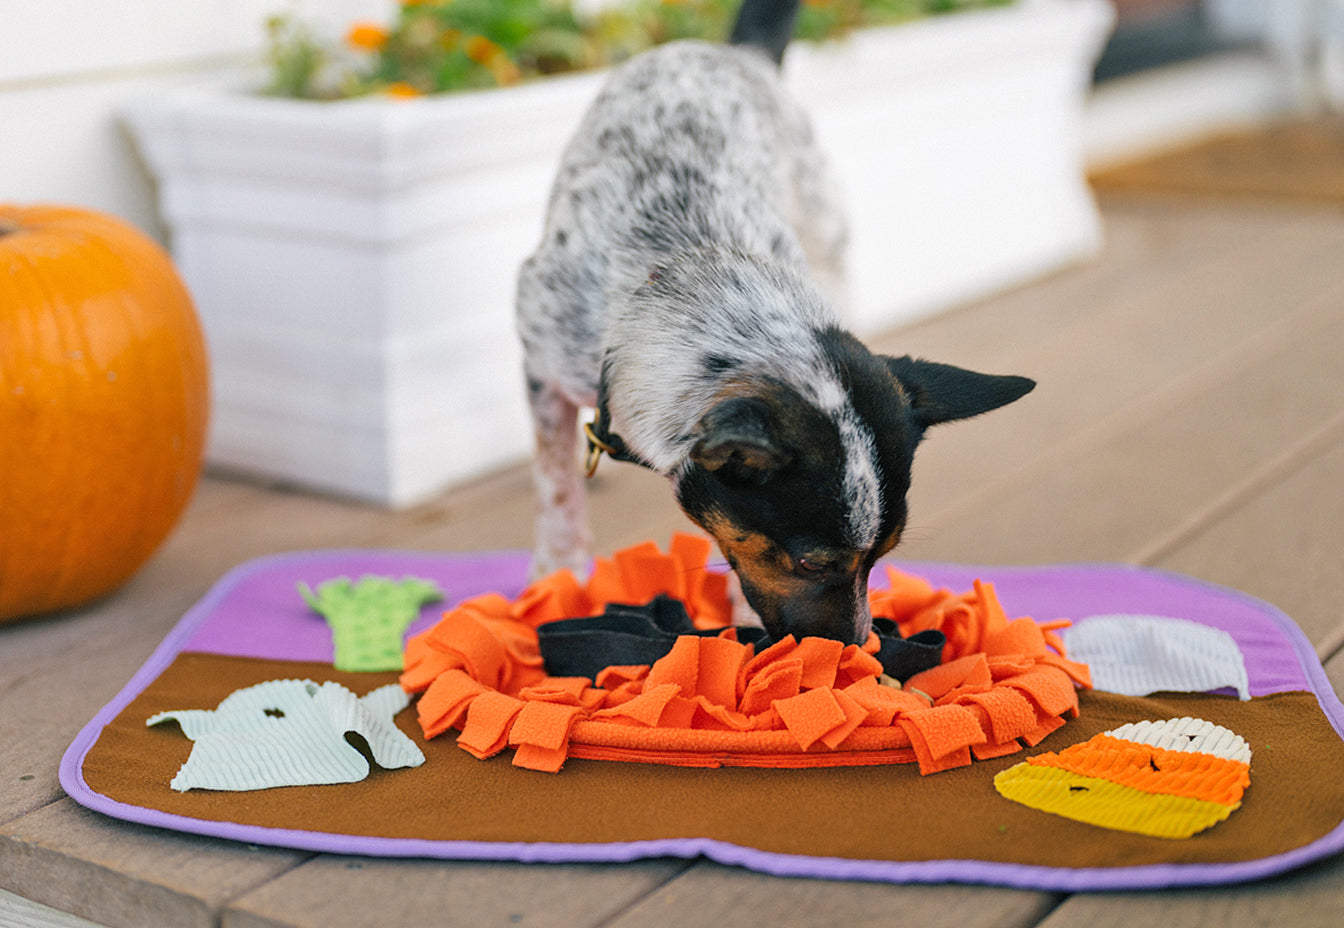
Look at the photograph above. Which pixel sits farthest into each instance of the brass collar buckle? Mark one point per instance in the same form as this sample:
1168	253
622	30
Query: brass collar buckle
596	445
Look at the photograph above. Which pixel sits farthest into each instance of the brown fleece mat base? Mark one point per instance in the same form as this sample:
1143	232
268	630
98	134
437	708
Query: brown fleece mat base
866	813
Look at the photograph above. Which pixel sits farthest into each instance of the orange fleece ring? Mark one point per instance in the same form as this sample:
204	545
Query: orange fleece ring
714	702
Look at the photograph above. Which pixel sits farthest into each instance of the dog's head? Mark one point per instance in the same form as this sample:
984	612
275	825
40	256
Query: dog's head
804	493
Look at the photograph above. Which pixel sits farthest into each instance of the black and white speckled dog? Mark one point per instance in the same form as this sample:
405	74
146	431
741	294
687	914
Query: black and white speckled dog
679	290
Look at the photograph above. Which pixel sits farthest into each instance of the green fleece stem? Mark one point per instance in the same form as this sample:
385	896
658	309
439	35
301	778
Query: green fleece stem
368	618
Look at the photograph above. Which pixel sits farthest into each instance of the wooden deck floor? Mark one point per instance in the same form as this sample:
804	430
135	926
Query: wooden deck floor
1190	415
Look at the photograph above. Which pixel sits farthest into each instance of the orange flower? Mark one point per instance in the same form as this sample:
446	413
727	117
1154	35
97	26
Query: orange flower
370	37
480	49
505	71
402	90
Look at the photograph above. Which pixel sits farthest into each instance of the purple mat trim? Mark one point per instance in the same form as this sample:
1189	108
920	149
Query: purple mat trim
265	619
254	611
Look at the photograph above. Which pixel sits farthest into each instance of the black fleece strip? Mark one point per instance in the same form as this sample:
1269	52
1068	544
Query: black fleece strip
641	634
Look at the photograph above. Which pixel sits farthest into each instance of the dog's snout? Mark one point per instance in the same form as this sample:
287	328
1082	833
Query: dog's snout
827	610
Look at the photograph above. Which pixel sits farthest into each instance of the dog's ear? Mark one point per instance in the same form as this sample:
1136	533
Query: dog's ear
942	392
737	441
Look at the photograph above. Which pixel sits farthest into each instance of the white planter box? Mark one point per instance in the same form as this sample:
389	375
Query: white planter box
354	262
958	142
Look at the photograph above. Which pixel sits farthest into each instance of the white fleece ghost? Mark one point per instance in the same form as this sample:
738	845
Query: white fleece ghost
291	733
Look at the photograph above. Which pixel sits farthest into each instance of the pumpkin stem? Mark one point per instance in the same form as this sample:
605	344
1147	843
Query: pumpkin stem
8	226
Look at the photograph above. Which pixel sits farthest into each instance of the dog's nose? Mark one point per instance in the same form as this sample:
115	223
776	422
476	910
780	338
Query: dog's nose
838	612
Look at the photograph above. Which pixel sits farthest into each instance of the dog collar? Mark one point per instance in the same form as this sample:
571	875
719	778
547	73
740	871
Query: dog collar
603	441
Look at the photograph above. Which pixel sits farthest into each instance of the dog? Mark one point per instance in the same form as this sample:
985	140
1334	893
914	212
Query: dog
684	288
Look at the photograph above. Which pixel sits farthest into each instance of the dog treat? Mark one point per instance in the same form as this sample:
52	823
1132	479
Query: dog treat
714	701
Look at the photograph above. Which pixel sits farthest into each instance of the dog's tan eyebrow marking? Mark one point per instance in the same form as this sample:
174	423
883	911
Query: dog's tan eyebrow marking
892	539
759	562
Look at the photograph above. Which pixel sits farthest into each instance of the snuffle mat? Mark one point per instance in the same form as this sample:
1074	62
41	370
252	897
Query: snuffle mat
1065	727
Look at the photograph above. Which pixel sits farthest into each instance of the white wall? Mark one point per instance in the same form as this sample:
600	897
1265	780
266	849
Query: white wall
68	66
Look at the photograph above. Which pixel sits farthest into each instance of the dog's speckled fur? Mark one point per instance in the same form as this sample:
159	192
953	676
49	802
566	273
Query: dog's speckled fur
687	272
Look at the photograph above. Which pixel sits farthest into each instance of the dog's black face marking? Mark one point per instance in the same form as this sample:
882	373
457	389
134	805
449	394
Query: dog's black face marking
768	479
943	393
717	365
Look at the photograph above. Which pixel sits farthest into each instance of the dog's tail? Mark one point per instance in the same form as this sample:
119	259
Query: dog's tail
765	24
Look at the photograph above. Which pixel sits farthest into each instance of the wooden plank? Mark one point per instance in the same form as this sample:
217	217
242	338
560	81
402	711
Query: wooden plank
1130	373
46	709
1285	545
1153	262
335	892
1282	544
128	876
18	912
62	669
58	671
1185	319
1112	490
1334	669
1310	898
1112	350
712	896
1147	248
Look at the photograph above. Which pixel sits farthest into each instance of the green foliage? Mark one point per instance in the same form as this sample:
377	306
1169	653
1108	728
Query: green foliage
295	56
435	46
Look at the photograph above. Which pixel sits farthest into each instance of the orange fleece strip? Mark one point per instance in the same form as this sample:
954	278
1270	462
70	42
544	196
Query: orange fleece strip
712	701
444	703
489	720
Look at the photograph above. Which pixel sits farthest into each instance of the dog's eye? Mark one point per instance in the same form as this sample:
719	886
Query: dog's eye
822	567
812	566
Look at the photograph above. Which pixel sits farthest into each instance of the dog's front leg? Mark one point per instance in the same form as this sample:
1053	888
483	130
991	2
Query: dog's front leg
563	538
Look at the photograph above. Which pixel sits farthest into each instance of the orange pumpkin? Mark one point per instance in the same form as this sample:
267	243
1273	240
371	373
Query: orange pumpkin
104	400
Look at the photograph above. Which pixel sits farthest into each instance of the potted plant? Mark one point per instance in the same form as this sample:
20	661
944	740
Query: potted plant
353	261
